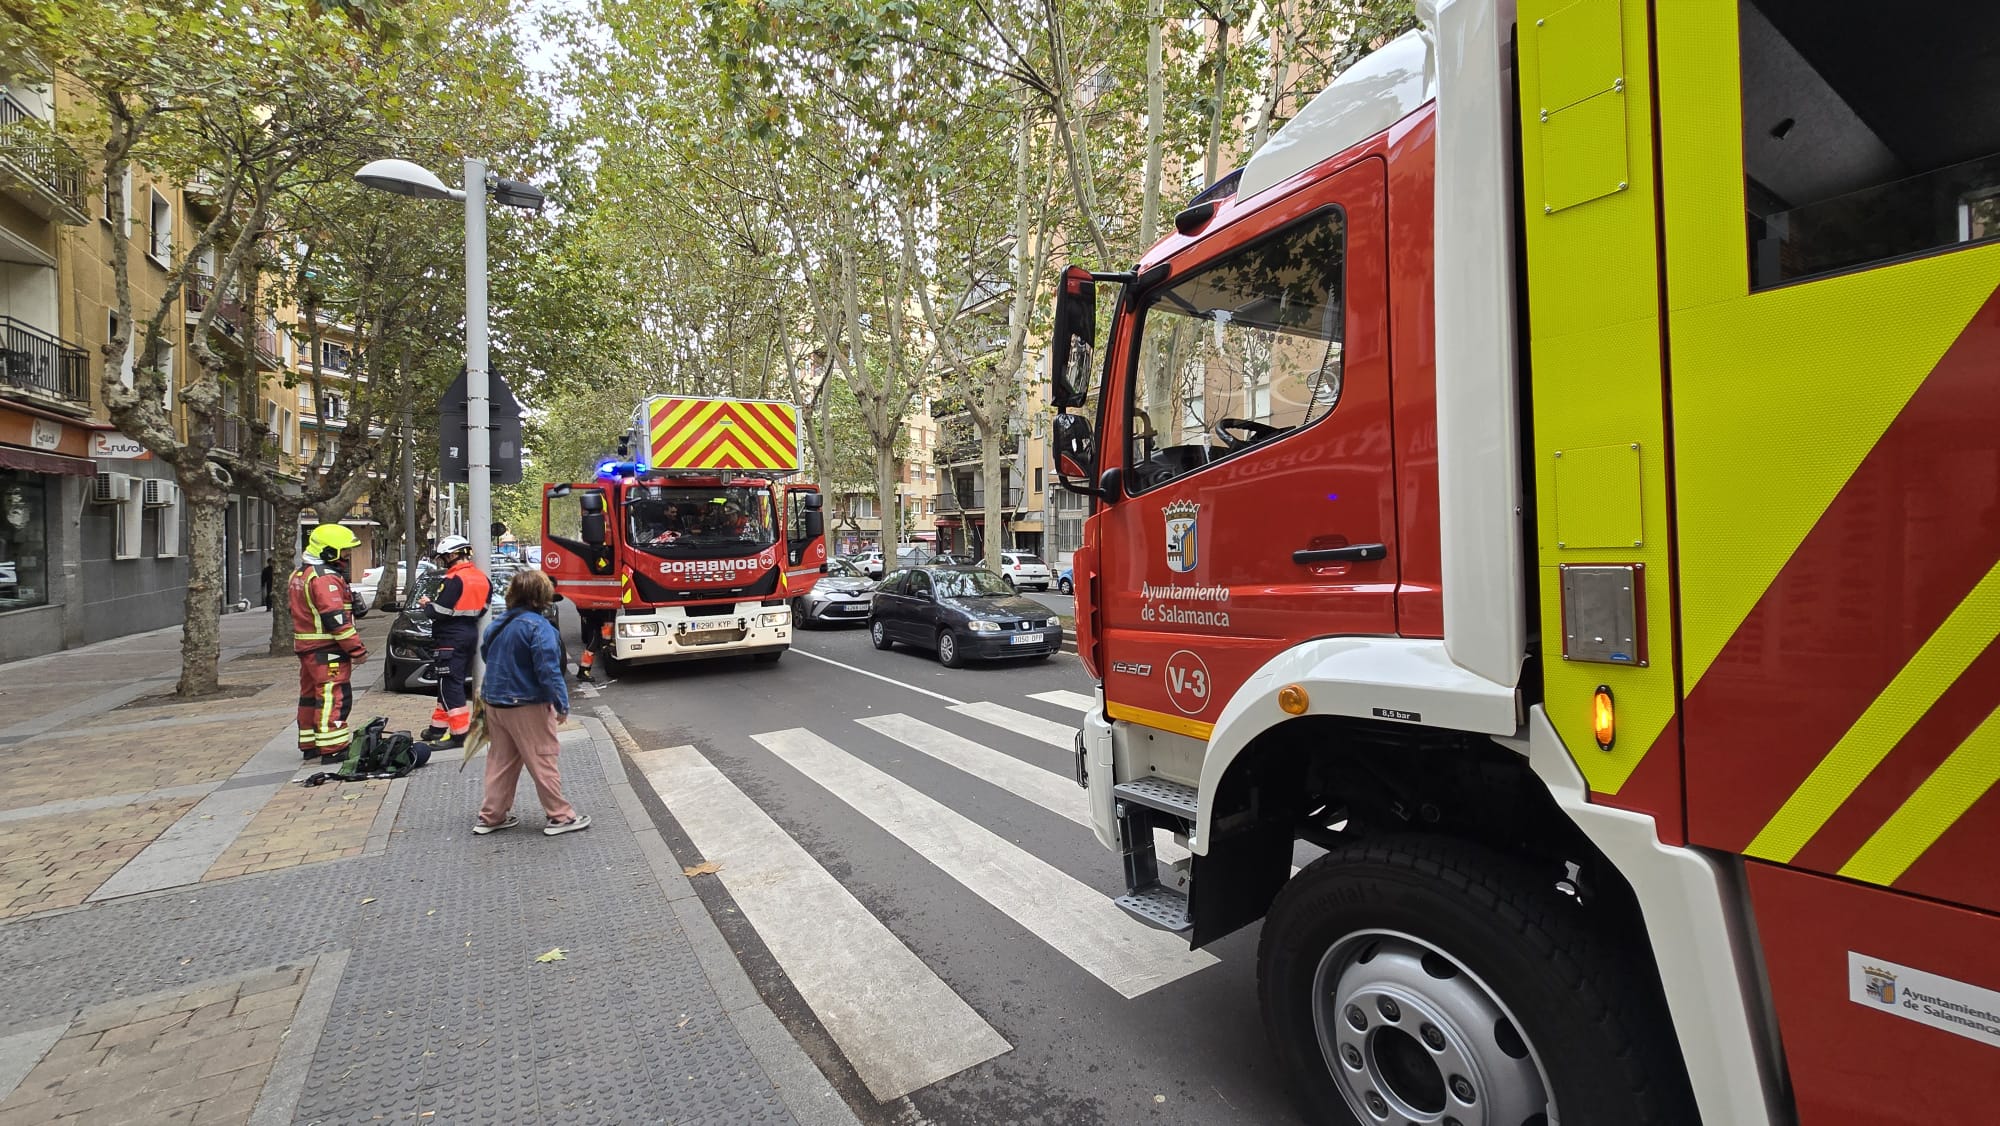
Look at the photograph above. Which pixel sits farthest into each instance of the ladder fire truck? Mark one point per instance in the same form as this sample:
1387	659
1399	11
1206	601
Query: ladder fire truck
1552	493
692	541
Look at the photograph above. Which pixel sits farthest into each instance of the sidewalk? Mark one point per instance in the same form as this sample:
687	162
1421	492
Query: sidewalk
192	938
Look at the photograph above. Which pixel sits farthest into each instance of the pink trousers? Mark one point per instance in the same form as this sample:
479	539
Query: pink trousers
517	737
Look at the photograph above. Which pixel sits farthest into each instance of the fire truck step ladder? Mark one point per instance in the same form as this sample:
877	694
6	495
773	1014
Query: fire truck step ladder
1143	805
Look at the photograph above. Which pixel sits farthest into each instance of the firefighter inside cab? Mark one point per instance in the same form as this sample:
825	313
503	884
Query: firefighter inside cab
323	637
455	614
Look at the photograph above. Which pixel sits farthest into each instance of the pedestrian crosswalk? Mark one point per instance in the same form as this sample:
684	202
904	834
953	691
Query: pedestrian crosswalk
895	1019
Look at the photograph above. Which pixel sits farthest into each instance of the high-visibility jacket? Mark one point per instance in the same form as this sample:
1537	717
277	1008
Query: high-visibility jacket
322	611
464	594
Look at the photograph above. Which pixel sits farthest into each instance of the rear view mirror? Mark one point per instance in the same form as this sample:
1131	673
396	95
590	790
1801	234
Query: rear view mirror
814	502
591	502
1076	453
815	521
559	490
1073	344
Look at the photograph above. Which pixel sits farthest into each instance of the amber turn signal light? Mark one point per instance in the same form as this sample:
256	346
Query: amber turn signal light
1292	699
1604	718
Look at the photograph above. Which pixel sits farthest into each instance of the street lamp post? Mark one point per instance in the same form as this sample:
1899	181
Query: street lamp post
402	177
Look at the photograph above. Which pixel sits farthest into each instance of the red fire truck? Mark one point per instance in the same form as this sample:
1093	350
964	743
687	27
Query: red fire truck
692	542
1552	493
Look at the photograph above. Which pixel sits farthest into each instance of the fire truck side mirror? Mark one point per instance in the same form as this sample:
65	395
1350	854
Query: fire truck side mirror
1076	454
593	529
1074	341
815	523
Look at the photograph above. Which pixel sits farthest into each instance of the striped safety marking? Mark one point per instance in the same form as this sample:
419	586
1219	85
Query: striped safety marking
721	434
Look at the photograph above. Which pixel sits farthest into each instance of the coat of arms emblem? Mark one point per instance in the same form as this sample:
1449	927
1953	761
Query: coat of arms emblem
1182	528
1881	984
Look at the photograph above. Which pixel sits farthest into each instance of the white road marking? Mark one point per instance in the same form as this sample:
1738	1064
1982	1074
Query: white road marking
897	1022
1033	726
1078	921
1054	792
1064	698
876	675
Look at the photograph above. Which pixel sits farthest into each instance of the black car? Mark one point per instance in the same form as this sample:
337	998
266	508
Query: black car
963	613
408	666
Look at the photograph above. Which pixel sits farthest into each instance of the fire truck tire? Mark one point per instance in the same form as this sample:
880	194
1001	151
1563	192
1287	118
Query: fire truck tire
1427	979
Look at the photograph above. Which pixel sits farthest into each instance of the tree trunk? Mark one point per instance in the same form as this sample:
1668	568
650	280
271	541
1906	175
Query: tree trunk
885	494
1156	114
284	515
1221	95
201	609
996	493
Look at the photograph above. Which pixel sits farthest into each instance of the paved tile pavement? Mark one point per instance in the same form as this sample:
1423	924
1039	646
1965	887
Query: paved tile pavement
348	952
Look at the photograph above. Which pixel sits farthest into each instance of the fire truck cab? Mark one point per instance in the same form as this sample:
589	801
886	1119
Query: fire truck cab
697	547
1552	492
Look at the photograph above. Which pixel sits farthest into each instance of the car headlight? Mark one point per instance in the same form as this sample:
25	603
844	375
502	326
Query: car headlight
774	618
978	626
638	629
1052	623
403	651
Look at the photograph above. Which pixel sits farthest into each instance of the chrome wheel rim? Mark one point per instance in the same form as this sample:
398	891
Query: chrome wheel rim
947	648
875	631
1413	1038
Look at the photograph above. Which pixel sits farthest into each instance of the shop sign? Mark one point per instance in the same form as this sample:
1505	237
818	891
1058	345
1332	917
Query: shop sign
45	434
115	446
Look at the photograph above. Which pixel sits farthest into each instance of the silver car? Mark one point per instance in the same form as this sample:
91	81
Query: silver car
843	594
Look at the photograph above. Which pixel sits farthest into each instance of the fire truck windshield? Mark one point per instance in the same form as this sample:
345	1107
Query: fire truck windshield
699	521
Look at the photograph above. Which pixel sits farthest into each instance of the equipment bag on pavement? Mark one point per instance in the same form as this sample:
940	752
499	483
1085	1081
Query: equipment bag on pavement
376	752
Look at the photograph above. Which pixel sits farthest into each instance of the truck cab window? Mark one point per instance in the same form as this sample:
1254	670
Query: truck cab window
1846	162
1240	353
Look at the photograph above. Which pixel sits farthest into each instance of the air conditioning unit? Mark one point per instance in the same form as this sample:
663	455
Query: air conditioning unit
112	488
160	493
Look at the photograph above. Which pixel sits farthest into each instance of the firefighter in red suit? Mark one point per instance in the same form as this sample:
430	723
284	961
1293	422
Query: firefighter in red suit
323	637
455	614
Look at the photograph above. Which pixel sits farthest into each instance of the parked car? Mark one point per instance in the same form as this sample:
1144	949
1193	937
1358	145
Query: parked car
874	566
1024	571
843	594
963	613
371	579
1066	580
407	668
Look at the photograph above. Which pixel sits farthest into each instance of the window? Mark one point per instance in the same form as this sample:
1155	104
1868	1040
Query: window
271	417
160	227
24	541
128	522
124	194
1240	353
285	433
1848	164
125	370
918	585
1038	473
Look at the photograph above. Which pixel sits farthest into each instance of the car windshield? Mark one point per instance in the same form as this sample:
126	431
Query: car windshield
968	584
699	522
1028	560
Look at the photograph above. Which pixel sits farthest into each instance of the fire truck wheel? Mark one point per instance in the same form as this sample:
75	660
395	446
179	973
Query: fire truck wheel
1424	979
879	634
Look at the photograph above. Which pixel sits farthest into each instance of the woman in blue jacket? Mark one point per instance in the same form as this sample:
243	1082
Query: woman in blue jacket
525	700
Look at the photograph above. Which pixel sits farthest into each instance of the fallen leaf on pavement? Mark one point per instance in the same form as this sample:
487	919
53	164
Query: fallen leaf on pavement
432	911
705	868
350	797
367	901
683	1022
555	955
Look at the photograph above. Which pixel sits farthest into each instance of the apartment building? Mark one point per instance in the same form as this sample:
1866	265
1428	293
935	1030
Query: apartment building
856	521
93	544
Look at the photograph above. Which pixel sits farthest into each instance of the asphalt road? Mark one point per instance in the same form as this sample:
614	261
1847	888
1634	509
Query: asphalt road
902	870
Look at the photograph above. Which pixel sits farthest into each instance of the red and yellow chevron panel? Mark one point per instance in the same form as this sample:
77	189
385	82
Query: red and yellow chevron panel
743	434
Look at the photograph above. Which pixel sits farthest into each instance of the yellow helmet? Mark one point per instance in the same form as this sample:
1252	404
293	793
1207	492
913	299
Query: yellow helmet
328	540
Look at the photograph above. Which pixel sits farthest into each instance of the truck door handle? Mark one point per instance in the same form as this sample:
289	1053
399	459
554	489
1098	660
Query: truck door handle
1351	553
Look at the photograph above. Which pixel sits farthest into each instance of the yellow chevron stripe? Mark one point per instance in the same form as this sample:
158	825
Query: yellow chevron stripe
668	419
675	448
772	454
709	451
1934	668
782	426
1944	797
1145	717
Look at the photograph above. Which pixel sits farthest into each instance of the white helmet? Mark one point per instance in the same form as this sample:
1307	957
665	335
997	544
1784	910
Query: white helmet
451	545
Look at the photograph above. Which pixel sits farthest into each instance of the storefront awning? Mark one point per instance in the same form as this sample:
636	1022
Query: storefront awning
35	461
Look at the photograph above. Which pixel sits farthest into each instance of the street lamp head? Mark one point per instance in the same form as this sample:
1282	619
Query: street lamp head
403	177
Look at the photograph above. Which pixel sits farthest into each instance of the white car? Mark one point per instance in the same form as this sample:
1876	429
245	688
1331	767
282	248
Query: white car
1025	572
371	577
907	555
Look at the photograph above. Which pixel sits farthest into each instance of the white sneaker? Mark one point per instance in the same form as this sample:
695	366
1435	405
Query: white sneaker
483	829
558	828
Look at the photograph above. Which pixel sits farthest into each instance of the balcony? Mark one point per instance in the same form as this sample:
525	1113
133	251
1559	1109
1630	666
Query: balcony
973	501
46	173
35	362
203	196
200	290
